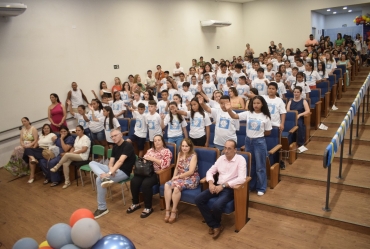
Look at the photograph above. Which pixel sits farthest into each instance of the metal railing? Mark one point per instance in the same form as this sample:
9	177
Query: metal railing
338	139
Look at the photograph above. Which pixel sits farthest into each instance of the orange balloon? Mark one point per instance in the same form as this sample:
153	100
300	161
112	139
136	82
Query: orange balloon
80	214
46	247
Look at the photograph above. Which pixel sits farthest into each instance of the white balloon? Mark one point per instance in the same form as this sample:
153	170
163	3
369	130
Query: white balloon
85	233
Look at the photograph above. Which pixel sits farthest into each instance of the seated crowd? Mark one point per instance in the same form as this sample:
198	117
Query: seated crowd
214	91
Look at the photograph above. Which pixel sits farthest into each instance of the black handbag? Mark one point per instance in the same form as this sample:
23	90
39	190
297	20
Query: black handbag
143	167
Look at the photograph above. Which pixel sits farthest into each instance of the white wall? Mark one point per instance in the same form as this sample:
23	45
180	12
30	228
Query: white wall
41	53
317	21
285	21
336	21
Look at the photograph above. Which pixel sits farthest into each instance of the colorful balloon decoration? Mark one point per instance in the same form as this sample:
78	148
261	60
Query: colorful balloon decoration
364	19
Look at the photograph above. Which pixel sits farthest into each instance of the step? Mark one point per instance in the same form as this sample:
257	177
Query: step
349	209
317	148
327	135
355	176
281	231
345	101
337	119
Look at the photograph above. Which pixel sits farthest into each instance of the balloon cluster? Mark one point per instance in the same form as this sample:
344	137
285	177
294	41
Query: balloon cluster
82	232
364	19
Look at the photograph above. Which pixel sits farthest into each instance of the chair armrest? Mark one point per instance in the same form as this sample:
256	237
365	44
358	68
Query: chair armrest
294	129
275	149
203	180
164	175
242	148
124	133
204	184
318	103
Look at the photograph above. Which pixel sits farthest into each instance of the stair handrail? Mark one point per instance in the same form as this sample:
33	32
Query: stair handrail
338	139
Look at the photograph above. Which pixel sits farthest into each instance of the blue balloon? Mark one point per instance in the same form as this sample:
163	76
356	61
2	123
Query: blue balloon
28	243
114	241
70	246
59	235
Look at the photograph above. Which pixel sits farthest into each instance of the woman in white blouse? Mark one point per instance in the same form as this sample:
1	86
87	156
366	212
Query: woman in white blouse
32	155
79	152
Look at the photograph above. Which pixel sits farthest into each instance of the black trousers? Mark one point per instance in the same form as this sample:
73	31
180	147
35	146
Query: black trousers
35	152
199	141
145	183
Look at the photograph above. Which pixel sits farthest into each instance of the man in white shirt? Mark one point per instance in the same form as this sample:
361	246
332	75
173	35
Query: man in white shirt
176	71
221	76
150	82
260	83
76	96
231	169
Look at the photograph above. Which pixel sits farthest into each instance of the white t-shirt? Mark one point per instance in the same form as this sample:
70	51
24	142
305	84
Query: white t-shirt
174	129
290	58
135	103
305	88
76	98
107	129
252	74
330	66
281	88
45	141
276	107
268	74
210	76
301	69
186	96
326	76
172	92
141	127
209	88
242	89
236	76
125	97
164	84
95	126
261	85
161	107
193	89
117	107
154	125
247	64
257	123
81	121
145	102
198	124
177	70
84	141
221	79
213	104
291	79
190	76
179	85
312	77
275	66
288	72
225	127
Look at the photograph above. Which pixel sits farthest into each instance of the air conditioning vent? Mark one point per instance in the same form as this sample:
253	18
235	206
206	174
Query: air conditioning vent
214	23
12	9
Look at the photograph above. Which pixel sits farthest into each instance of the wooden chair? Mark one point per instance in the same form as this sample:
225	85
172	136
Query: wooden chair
344	72
273	142
324	86
333	89
315	106
339	74
289	136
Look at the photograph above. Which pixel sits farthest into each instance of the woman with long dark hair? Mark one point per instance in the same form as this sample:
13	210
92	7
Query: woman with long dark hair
57	113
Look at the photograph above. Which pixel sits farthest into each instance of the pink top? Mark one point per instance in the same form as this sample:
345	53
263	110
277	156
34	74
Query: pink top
164	155
57	115
232	172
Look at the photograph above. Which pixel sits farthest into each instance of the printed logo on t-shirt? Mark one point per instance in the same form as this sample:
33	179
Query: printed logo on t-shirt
272	108
254	76
193	91
116	107
260	87
175	125
196	122
268	77
82	123
328	66
221	81
236	79
254	125
309	78
124	96
170	97
162	109
224	123
151	125
107	126
138	123
184	98
240	91
146	109
208	90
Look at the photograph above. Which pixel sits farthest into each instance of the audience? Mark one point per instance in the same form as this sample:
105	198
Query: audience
28	139
32	155
185	176
79	152
57	113
161	157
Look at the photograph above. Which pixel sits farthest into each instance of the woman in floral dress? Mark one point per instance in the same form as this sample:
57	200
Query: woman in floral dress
185	177
28	139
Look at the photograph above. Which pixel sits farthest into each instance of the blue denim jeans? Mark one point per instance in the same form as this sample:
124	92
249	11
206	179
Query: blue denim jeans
98	169
177	141
219	147
213	215
99	136
258	149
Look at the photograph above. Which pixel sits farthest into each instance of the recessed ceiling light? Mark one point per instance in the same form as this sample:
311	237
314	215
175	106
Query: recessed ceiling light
334	12
328	10
344	8
349	10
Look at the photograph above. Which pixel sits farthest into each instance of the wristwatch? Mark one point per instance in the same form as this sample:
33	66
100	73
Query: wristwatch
224	185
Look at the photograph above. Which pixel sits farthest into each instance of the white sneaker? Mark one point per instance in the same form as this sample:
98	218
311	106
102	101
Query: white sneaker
106	182
260	193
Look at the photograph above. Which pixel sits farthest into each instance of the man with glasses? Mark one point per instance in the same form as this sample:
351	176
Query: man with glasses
120	166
